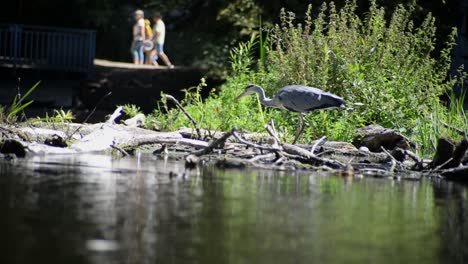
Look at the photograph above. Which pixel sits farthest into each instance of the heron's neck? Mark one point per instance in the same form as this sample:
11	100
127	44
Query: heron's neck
265	100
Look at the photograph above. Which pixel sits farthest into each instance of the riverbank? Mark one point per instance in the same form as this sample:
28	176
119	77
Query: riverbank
377	151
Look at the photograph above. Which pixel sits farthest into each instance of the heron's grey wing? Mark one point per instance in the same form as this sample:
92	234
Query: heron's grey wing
298	98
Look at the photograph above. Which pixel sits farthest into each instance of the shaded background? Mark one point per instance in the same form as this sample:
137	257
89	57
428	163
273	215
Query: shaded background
200	32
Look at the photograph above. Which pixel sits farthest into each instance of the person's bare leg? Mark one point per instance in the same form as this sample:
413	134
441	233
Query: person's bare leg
154	61
165	59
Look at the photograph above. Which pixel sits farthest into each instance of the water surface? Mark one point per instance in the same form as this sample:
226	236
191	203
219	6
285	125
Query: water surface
96	209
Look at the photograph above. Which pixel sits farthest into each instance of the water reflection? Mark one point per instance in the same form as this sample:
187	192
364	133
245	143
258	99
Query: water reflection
94	209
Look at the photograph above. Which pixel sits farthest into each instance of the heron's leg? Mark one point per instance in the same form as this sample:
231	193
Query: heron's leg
300	127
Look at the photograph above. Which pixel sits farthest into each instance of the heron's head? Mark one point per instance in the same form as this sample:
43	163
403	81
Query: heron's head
249	89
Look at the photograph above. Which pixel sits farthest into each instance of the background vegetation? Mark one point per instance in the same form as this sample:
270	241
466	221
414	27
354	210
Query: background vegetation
202	32
389	66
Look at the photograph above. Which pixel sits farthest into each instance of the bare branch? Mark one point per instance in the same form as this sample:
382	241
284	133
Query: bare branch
311	158
457	130
316	144
124	153
170	97
253	145
218	143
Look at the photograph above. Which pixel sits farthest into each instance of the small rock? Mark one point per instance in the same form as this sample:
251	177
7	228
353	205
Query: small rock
365	149
11	146
56	141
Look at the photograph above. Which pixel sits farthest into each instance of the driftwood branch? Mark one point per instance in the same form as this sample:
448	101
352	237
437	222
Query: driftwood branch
170	97
419	162
217	143
438	168
271	132
271	129
158	140
115	115
124	153
253	145
457	130
308	157
317	143
393	159
264	156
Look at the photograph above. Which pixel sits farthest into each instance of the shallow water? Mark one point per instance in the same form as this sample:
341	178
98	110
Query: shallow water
95	209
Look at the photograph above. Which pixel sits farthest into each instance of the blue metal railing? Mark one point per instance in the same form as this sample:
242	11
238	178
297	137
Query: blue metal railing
63	49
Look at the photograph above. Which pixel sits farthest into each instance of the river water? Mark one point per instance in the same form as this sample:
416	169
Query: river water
145	209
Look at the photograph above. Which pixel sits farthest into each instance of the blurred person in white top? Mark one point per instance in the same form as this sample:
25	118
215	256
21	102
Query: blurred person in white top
138	37
159	34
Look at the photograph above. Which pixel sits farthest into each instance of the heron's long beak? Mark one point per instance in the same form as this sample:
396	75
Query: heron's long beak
240	96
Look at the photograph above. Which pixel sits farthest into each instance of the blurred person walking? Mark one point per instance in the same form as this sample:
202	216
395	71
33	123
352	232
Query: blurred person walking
138	38
147	43
159	35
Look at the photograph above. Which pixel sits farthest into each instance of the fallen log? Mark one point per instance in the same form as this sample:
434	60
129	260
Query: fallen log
43	149
374	137
456	174
127	138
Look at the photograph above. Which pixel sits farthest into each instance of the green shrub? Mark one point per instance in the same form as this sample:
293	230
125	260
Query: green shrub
387	66
131	110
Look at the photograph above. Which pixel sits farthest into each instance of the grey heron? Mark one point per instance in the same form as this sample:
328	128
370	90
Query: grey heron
296	98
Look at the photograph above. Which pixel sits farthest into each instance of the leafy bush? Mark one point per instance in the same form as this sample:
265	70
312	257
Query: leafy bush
131	110
389	67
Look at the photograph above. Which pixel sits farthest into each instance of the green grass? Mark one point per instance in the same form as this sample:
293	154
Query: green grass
430	126
59	116
10	113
